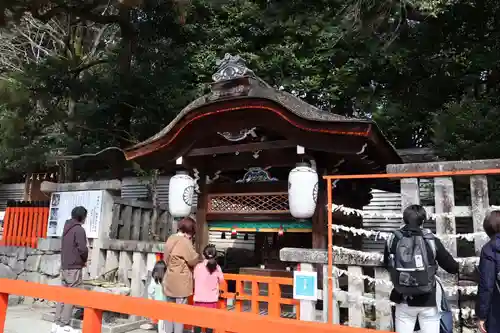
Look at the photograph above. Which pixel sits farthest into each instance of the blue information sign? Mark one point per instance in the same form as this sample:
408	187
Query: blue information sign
305	285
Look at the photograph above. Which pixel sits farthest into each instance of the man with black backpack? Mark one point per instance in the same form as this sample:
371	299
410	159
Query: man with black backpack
412	255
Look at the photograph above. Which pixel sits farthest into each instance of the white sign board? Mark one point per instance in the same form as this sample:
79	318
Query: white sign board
305	285
2	215
61	205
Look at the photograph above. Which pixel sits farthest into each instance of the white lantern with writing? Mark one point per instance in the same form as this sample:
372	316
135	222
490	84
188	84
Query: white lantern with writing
302	191
180	194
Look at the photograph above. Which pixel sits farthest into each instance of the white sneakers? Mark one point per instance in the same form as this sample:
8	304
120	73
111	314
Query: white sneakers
147	327
66	329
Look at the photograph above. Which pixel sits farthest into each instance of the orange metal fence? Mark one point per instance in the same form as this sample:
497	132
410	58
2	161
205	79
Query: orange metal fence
24	222
95	303
330	179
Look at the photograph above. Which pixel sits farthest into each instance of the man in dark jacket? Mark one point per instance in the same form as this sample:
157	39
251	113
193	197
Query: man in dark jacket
74	255
422	307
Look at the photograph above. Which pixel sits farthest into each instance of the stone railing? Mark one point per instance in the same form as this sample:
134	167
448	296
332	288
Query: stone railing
361	296
133	261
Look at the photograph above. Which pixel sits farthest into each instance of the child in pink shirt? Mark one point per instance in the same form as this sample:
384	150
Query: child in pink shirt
207	277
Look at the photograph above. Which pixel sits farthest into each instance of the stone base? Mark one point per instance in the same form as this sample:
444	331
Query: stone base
118	327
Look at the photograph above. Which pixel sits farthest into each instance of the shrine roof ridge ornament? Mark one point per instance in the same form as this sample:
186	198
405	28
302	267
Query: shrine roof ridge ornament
231	67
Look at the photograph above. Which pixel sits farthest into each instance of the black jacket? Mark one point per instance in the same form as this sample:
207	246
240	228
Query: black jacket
443	258
74	251
488	296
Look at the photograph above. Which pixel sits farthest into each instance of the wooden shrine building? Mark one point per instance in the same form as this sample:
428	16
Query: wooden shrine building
241	141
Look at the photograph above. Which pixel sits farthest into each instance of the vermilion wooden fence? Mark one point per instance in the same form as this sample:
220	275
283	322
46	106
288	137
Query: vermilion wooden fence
95	303
251	289
24	222
256	294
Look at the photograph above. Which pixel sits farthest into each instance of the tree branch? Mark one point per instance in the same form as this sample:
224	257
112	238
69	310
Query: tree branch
85	12
89	65
416	15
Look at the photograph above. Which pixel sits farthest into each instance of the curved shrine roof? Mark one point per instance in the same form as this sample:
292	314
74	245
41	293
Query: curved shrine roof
233	81
236	88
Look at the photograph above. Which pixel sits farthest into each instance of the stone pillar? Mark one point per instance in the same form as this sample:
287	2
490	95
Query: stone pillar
480	203
307	308
444	201
97	254
410	192
329	294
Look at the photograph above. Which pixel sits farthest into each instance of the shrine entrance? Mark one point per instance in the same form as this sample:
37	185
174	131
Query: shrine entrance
249	219
268	246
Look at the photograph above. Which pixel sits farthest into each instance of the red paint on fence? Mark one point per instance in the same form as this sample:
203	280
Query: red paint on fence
25	222
222	321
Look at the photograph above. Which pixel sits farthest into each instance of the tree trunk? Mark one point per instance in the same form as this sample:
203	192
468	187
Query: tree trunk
124	62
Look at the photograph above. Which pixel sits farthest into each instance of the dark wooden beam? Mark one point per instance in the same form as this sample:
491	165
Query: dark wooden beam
201	239
249	217
279	186
241	148
274	158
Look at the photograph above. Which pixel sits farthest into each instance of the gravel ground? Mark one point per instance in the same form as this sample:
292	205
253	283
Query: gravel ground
27	318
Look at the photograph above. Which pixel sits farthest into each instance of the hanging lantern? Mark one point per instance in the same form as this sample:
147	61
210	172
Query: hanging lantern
180	194
302	191
281	231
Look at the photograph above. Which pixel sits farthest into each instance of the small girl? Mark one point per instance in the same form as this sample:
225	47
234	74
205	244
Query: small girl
207	278
155	288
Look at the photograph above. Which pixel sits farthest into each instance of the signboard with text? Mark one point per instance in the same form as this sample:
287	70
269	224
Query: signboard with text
61	205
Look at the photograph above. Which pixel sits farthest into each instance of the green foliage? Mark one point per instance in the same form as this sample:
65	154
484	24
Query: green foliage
425	70
469	129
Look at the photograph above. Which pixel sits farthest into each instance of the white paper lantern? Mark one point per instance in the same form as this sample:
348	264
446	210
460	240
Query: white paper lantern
302	191
180	194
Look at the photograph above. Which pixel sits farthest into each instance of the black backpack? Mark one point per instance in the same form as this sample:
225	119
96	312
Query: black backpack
412	261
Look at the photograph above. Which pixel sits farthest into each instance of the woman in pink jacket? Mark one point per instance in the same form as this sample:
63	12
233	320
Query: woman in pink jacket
207	278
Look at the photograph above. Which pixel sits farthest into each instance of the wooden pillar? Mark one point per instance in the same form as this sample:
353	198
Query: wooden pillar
319	220
480	203
319	227
66	172
201	214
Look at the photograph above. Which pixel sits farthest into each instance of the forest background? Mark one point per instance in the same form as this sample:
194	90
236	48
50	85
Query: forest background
77	76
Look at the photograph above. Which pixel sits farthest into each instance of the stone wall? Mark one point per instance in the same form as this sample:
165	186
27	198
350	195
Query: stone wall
41	265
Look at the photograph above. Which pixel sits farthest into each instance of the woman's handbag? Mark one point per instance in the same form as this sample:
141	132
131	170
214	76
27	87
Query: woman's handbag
446	324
